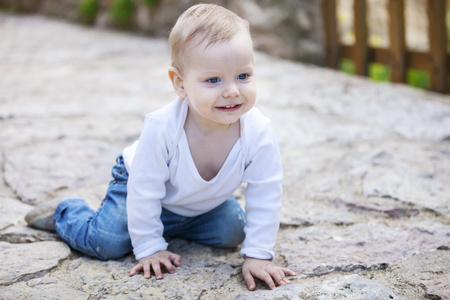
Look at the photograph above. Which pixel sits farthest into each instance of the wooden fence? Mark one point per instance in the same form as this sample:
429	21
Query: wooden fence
436	62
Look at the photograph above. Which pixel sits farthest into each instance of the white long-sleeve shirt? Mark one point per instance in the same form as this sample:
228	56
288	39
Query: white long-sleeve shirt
162	173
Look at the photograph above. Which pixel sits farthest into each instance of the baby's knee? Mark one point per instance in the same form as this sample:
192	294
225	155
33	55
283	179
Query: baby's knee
107	249
233	234
234	240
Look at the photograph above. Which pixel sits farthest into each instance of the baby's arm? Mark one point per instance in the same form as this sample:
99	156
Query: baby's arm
146	187
264	176
266	271
154	261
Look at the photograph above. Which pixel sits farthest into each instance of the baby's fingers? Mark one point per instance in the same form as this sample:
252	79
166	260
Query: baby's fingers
146	268
289	272
175	259
157	269
278	276
249	279
268	279
136	269
168	265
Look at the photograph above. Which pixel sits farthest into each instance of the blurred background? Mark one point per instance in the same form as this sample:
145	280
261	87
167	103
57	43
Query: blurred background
290	29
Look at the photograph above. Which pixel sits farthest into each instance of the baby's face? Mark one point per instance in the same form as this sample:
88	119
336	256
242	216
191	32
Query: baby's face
218	80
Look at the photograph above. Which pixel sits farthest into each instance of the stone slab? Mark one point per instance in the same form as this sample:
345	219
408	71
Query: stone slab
22	262
409	113
42	288
125	129
5	190
203	269
37	172
403	172
427	273
345	287
319	250
410	173
22	234
12	212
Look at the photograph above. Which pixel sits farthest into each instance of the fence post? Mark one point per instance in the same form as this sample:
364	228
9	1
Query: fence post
438	44
360	50
396	9
331	34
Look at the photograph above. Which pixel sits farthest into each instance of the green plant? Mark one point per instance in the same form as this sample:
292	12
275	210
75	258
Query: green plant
347	66
418	79
379	72
151	3
88	10
122	12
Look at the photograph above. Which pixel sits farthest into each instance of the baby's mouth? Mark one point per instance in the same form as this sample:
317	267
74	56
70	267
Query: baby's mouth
229	107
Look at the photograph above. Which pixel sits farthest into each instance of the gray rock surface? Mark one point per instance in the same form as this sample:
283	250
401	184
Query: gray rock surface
345	287
12	211
22	262
363	246
366	189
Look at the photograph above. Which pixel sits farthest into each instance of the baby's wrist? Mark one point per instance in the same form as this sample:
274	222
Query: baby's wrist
254	258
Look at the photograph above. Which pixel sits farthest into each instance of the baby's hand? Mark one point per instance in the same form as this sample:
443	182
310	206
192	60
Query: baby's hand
264	270
154	262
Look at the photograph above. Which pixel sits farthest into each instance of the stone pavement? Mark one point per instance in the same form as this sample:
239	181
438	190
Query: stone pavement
367	172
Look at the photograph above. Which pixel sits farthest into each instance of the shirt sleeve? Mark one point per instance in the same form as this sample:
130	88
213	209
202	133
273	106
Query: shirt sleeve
264	175
146	187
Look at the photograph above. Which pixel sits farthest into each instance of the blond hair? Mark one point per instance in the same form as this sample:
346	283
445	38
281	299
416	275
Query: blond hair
209	22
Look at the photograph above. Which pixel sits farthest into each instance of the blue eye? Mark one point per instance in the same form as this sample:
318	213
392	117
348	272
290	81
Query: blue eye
243	76
213	80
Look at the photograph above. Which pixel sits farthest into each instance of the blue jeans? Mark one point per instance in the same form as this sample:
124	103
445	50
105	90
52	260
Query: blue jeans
104	233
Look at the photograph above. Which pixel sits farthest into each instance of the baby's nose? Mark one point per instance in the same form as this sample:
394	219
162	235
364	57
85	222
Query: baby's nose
231	91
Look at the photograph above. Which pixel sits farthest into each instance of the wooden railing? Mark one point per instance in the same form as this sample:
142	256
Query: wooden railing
436	62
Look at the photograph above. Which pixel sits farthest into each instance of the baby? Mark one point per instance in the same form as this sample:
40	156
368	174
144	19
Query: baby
178	179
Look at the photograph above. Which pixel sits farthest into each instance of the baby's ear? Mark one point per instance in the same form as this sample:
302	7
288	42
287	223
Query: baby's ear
177	82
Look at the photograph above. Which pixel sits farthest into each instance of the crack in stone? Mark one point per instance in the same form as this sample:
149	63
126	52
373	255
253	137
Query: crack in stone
326	269
3	229
205	292
6	183
30	276
293	225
